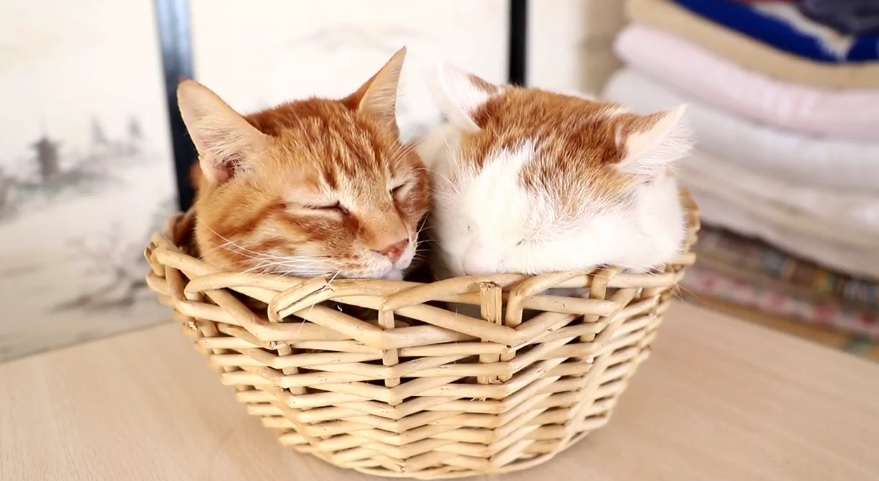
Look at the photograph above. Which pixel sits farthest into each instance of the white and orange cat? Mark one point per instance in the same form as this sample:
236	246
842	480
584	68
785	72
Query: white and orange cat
530	181
310	187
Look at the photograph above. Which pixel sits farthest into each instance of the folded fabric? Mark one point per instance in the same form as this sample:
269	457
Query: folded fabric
727	85
728	252
816	161
847	16
772	217
769	223
701	282
746	51
846	215
785	28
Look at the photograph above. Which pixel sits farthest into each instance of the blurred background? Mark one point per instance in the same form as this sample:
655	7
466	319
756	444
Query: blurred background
783	97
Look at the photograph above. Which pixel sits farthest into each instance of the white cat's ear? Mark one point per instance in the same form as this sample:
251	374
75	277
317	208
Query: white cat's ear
223	138
652	143
460	95
378	95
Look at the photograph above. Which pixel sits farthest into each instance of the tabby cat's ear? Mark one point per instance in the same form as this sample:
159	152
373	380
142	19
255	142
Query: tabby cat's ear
459	95
652	143
378	95
223	138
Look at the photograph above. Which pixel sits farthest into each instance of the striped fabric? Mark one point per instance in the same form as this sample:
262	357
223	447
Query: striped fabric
785	28
742	256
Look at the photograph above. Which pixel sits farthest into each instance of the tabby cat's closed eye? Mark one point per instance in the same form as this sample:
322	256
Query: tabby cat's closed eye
334	207
398	190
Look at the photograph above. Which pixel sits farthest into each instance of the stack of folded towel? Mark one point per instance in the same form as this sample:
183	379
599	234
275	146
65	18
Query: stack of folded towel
784	100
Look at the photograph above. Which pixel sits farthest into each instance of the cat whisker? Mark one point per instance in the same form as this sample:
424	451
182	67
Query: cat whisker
304	320
263	262
406	141
253	255
437	175
264	268
423	228
230	243
403	150
235	263
325	288
452	155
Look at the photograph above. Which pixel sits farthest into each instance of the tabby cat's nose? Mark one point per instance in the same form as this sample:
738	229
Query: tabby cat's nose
395	250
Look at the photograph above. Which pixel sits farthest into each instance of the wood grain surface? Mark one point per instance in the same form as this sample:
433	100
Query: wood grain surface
719	399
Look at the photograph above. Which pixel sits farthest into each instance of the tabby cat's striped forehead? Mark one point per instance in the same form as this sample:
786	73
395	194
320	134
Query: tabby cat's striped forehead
332	142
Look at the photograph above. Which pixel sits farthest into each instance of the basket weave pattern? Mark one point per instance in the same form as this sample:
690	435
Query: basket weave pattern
420	390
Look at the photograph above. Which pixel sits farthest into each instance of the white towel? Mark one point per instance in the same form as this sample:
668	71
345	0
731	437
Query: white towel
758	221
795	157
843	215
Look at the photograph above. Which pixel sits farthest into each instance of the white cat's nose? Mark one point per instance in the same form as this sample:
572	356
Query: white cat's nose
479	263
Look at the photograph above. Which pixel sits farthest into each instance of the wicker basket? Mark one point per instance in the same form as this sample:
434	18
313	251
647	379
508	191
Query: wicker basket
419	391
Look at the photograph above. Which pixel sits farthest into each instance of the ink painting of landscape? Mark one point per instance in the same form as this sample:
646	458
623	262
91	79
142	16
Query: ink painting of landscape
85	170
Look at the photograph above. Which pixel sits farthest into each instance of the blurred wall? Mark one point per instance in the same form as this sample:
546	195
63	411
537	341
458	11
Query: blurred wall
261	52
570	43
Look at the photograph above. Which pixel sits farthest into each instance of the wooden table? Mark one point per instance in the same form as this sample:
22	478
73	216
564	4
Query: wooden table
718	400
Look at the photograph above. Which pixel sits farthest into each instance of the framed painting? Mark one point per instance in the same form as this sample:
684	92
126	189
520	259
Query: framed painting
85	170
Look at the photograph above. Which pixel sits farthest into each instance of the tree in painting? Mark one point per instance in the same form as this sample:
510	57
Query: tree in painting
7	184
135	137
117	266
135	134
98	135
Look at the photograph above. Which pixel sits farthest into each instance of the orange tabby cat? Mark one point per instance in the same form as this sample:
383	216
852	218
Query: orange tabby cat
309	187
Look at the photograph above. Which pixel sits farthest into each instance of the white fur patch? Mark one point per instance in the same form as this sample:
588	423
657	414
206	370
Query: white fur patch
458	97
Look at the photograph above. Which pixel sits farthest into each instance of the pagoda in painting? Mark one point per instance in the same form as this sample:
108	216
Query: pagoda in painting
48	159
